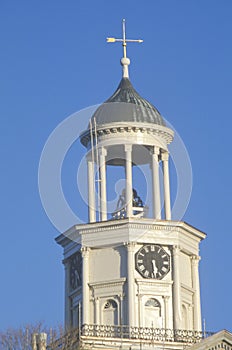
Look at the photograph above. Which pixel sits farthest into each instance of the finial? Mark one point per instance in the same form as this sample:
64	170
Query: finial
125	61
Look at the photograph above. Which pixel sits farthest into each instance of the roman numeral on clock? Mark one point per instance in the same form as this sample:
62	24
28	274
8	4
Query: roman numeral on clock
152	261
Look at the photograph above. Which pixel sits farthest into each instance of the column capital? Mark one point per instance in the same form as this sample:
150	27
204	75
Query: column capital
128	148
164	156
102	151
121	296
176	249
118	297
195	259
85	252
156	150
89	157
165	297
155	157
130	246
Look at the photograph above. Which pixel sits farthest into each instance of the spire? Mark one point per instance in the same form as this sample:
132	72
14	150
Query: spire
125	61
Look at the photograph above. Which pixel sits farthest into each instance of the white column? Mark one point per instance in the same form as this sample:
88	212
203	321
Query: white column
156	183
167	200
196	296
130	284
91	191
102	170
190	317
166	313
176	288
121	309
129	193
97	314
68	322
85	285
139	310
142	318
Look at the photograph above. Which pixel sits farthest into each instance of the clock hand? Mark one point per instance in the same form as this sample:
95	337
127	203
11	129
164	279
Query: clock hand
155	270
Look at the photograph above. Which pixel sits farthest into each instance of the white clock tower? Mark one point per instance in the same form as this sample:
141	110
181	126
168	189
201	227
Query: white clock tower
131	275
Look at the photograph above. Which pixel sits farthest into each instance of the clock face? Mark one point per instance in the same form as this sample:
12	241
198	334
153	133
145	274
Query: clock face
152	261
76	271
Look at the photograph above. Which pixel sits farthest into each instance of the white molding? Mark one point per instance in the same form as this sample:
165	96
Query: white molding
108	283
73	234
123	130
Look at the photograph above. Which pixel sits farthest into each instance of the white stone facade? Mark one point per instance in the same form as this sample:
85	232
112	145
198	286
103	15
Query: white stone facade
114	292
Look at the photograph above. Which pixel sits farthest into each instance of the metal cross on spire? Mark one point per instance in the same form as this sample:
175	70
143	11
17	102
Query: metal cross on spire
124	61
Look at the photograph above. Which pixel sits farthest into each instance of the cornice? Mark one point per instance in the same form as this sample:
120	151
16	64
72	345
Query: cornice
150	282
159	225
75	232
115	129
222	339
111	283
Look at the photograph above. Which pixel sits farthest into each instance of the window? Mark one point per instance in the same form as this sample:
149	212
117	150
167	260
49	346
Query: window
152	314
110	313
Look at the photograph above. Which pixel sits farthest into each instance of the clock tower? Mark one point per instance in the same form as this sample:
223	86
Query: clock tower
131	273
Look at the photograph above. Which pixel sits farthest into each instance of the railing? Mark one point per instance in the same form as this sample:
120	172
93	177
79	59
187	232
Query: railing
71	339
137	211
144	333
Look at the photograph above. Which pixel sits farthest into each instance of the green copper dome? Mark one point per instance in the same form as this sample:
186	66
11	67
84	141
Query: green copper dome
126	105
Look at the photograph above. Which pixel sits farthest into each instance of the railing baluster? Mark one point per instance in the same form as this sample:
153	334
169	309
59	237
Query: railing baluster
126	332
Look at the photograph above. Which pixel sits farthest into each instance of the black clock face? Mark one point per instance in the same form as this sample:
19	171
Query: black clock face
76	271
152	261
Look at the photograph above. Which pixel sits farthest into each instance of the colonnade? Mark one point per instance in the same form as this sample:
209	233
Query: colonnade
157	156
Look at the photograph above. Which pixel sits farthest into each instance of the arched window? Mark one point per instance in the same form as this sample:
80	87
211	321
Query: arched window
110	304
153	303
110	313
152	313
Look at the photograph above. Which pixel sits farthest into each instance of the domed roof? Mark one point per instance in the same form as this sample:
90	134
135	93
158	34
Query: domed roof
126	105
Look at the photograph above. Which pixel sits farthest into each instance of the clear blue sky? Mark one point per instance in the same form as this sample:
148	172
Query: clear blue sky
54	61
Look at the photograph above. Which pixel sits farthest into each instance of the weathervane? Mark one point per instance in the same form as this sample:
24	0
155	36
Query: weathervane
125	60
